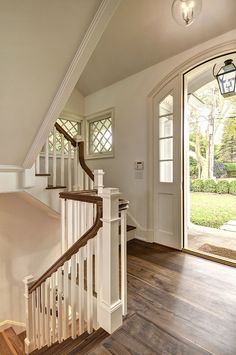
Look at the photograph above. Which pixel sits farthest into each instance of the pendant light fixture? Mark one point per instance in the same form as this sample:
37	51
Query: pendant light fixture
226	78
185	12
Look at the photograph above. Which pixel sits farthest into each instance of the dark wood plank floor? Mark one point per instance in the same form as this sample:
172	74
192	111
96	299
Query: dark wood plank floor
177	304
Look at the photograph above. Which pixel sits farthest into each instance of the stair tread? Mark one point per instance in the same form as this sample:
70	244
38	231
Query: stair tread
14	340
50	187
90	343
22	337
62	348
4	348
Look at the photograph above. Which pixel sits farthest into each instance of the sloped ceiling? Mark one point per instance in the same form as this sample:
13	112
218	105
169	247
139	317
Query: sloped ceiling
143	33
38	40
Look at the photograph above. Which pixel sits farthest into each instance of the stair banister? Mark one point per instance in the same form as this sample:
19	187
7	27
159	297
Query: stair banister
110	303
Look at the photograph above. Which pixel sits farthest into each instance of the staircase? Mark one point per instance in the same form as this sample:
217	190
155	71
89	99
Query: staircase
13	344
82	297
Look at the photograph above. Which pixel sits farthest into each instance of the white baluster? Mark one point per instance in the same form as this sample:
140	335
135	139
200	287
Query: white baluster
87	182
69	167
78	220
54	159
42	320
69	223
66	302
34	310
47	304
73	295
46	158
64	242
90	286
59	277
111	305
75	187
124	261
75	221
98	180
62	160
53	305
38	317
83	217
81	290
37	165
29	309
98	272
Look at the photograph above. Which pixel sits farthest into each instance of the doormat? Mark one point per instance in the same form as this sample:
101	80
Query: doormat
212	249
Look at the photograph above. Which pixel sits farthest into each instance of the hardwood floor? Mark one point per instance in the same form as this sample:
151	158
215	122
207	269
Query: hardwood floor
177	304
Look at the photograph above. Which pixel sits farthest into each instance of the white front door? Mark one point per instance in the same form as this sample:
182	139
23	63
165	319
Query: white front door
168	166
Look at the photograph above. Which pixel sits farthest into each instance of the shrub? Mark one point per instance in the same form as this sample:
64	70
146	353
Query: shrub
232	187
209	185
219	169
230	169
196	185
222	187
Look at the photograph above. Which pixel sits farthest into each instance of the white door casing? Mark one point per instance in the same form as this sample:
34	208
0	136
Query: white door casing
168	165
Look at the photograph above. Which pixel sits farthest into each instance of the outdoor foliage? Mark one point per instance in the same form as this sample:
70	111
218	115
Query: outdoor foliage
227	150
212	210
192	167
196	185
209	185
219	169
232	187
230	169
212	186
222	187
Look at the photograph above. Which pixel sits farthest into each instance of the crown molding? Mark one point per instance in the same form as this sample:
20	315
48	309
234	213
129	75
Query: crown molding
97	27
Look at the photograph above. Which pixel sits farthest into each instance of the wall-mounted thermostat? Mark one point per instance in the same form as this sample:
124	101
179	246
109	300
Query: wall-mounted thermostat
139	165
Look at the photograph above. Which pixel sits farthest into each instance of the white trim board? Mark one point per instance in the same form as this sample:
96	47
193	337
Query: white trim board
17	326
97	27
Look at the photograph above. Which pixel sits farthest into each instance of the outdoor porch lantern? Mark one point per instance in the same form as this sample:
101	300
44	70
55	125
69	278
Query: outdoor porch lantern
185	12
226	78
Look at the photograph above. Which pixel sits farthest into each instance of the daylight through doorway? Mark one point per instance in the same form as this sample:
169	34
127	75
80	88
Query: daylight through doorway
210	164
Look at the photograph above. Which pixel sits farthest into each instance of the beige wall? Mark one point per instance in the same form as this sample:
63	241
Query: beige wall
29	243
129	97
75	104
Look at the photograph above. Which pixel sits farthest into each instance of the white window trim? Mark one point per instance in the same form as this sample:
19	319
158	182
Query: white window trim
95	117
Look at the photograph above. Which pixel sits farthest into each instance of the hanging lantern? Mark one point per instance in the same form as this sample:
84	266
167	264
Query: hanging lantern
226	78
185	12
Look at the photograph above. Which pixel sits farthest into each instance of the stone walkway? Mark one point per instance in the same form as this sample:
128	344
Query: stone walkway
229	226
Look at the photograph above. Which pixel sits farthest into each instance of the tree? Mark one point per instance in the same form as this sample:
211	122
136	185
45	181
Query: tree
227	152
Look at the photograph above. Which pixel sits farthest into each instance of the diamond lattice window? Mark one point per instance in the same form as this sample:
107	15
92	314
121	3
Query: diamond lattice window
100	136
71	127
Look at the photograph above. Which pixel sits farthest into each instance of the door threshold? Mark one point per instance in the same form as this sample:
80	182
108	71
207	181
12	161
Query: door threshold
211	257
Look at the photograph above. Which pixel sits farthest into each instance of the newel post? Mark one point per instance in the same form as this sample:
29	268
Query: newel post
98	180
111	305
29	344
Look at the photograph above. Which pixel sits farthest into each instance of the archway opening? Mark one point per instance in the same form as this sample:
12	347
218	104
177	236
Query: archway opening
210	164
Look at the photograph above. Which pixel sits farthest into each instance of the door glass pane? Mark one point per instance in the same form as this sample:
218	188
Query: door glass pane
166	171
166	106
166	126
166	148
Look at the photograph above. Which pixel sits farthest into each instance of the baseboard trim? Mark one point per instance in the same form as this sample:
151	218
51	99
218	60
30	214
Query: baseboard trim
17	326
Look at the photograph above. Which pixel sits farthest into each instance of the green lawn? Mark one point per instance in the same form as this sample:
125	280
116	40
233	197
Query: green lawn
211	210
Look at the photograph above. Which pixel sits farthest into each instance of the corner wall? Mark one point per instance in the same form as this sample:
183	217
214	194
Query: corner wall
29	244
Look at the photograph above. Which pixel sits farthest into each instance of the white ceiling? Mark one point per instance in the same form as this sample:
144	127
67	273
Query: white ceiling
143	33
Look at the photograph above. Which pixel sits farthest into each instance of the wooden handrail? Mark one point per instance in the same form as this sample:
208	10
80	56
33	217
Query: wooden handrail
82	161
91	233
89	196
81	149
65	134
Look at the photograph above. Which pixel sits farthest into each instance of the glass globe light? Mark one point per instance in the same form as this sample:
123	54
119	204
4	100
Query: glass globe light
185	12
